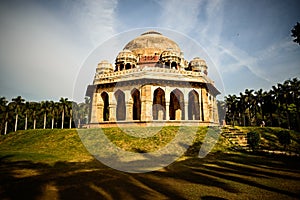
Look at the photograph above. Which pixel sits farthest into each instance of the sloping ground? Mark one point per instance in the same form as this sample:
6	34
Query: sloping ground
44	145
53	164
269	140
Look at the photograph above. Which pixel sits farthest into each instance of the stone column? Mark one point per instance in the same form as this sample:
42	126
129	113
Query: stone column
186	103
216	114
112	107
100	112
205	105
146	103
94	109
167	110
186	110
200	108
129	106
167	98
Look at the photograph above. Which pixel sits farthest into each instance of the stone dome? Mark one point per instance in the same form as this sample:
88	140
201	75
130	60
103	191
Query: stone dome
198	65
104	67
151	42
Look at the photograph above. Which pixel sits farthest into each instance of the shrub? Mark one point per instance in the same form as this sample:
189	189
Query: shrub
284	138
253	140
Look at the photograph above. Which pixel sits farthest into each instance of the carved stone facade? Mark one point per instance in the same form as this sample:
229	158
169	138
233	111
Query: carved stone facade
152	83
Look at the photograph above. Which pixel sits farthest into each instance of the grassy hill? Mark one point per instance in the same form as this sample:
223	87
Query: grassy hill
54	164
65	145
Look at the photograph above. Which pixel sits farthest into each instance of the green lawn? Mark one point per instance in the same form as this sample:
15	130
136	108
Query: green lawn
53	164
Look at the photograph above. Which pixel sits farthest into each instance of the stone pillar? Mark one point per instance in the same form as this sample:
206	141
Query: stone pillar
167	98
94	109
112	107
200	108
216	114
100	112
186	110
205	105
146	103
186	102
112	112
167	110
129	107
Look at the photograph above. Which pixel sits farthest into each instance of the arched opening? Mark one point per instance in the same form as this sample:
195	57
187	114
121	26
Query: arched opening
136	108
194	107
167	65
121	67
160	65
173	65
105	99
121	108
159	105
176	108
128	66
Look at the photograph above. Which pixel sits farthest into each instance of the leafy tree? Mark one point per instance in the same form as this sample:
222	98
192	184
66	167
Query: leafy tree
253	140
296	33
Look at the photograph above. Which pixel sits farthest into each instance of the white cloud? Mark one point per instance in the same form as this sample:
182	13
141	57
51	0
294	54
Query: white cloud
179	15
40	52
96	19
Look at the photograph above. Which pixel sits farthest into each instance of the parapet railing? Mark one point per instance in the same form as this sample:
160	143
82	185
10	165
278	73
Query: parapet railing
139	72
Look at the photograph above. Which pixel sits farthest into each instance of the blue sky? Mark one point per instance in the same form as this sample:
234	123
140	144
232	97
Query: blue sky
46	45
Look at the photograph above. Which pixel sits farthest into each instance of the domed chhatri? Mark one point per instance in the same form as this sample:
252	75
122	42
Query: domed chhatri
152	83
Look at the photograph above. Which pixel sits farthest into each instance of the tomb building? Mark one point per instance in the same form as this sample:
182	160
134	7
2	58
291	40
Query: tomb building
152	83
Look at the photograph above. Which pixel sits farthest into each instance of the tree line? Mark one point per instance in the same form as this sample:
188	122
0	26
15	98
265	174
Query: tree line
277	107
19	114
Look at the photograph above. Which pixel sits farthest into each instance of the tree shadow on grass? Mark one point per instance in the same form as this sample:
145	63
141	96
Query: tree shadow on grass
93	180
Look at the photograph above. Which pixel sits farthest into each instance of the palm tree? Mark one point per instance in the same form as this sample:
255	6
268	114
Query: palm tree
34	107
231	108
242	107
249	104
44	110
4	111
269	105
259	96
281	95
70	112
63	107
17	103
26	111
52	110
